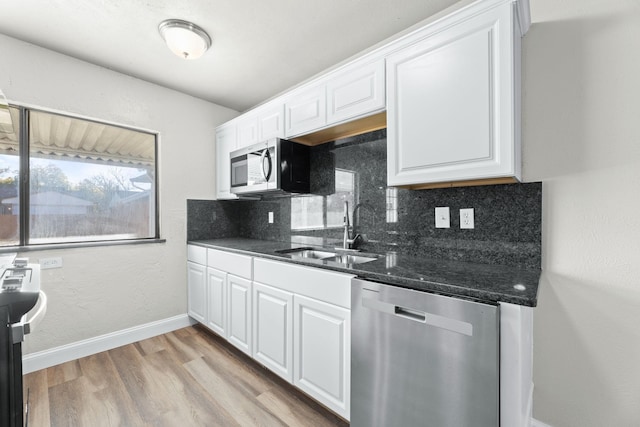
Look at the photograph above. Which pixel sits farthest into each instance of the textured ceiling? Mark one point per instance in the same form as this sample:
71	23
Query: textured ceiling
260	47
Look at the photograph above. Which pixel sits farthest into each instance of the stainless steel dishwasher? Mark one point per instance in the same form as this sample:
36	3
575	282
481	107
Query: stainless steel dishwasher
420	359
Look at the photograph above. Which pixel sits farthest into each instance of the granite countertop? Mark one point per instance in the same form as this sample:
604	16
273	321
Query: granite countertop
489	283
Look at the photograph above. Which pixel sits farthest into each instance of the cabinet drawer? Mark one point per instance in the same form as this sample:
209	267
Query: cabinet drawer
197	254
323	285
238	265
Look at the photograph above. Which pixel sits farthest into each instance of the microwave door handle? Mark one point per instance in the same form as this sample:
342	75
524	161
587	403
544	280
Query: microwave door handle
266	155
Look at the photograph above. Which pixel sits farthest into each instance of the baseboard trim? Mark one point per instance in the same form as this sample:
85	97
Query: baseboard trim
55	356
536	423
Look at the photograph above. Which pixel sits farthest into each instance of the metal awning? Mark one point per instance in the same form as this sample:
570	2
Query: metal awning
60	137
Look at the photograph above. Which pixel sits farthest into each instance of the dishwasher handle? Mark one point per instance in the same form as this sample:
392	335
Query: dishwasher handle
430	319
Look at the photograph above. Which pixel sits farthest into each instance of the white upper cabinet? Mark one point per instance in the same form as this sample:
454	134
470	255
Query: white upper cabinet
259	125
225	144
450	88
247	131
305	110
271	122
356	91
452	102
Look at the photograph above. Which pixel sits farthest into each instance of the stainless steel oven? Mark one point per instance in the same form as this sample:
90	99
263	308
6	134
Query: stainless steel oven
19	293
275	166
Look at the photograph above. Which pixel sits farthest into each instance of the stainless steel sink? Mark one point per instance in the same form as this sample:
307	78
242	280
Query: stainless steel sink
308	253
351	259
336	257
313	254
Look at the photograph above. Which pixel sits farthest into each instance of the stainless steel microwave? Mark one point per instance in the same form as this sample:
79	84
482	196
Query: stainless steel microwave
277	166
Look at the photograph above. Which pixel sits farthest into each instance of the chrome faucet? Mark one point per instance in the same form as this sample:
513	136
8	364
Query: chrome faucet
346	241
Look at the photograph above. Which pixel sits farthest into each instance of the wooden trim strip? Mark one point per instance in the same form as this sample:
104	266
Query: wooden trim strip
469	183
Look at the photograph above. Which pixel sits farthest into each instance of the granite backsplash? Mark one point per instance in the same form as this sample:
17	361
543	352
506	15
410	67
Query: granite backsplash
507	217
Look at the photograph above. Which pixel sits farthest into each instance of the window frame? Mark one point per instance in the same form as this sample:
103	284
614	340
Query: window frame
24	185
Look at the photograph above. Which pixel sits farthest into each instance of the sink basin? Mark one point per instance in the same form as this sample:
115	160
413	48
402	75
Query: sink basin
336	257
308	253
351	259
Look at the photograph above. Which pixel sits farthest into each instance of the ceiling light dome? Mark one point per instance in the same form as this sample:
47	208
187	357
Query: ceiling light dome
184	38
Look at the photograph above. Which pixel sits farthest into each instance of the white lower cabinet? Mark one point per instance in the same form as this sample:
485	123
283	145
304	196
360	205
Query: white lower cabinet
239	318
196	290
217	301
322	352
316	303
294	320
273	329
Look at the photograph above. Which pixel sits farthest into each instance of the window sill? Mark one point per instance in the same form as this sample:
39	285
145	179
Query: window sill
52	246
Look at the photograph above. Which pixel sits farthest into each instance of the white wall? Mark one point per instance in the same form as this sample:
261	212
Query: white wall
105	289
582	139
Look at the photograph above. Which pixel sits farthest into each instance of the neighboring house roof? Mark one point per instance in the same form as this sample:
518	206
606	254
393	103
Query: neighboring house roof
128	197
50	198
144	178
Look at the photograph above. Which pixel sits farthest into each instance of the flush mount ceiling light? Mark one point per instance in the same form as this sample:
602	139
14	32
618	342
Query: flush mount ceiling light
184	38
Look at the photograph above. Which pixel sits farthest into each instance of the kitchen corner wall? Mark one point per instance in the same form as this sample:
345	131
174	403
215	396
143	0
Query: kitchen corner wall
104	289
507	217
581	110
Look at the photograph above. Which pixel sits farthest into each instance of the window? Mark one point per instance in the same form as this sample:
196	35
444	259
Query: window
319	212
68	179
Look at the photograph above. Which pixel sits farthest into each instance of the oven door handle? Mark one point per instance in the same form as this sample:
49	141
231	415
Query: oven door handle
30	320
267	156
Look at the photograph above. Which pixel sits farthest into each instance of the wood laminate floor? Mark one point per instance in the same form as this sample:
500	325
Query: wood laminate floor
184	378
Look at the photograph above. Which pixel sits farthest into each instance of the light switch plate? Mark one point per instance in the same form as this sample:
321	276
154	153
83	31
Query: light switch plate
270	217
442	217
466	218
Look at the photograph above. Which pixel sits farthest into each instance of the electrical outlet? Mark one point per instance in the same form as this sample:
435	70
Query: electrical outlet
466	218
270	217
442	217
46	263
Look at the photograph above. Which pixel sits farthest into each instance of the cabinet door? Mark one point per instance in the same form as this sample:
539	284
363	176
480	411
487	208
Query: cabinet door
273	329
196	291
239	317
451	104
225	144
305	111
247	131
271	123
217	301
357	91
322	352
